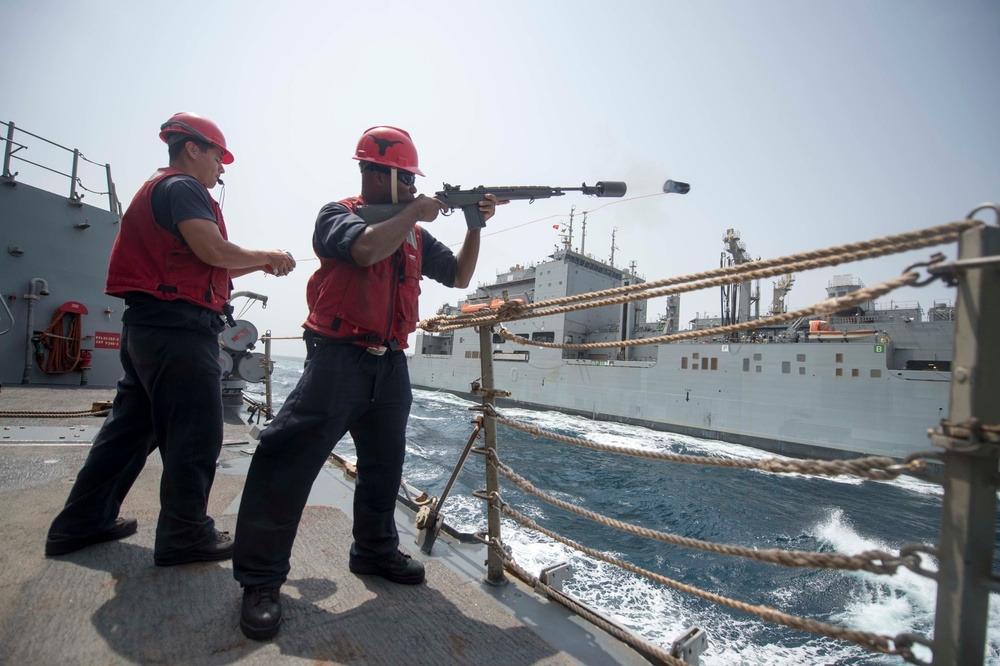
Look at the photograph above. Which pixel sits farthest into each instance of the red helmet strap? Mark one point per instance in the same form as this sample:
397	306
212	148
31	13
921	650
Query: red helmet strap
184	126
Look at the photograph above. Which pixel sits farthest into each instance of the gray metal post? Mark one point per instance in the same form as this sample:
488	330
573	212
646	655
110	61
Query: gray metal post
494	563
970	483
268	374
73	196
116	204
7	150
111	191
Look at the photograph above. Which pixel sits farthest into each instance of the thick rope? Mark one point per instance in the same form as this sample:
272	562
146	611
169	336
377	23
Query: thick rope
512	311
868	640
878	468
822	307
873	561
727	275
52	415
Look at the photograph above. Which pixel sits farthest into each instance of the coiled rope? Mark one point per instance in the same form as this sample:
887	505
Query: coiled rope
64	346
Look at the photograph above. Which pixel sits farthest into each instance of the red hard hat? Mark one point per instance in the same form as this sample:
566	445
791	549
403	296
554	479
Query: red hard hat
203	129
389	146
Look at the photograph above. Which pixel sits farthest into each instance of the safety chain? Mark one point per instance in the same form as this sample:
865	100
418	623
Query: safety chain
873	561
84	187
716	277
822	307
871	641
86	159
54	415
877	468
626	637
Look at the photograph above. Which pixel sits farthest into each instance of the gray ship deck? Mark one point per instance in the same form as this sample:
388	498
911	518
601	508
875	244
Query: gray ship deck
109	604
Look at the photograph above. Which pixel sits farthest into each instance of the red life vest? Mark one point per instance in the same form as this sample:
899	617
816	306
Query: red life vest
371	305
150	259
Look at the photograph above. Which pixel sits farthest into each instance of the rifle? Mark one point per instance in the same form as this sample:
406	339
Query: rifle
468	200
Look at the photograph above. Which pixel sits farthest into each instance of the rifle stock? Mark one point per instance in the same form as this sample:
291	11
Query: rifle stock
468	200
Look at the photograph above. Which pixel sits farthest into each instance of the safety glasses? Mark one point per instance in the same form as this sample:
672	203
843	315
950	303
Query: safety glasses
405	177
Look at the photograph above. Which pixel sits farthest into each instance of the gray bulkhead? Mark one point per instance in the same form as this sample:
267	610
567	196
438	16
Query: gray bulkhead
67	245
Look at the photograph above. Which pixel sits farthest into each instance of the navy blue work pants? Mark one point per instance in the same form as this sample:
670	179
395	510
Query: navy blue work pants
343	389
171	399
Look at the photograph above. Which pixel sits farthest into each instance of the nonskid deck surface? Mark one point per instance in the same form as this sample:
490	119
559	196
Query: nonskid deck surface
110	604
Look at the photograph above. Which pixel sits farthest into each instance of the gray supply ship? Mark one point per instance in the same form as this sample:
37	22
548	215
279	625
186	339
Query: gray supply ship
870	381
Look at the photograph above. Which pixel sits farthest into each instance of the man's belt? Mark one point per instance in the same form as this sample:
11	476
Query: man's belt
375	350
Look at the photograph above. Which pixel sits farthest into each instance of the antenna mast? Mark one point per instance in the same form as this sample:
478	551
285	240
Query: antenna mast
568	237
614	247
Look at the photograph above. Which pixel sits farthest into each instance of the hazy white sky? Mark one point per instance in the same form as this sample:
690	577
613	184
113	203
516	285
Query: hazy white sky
801	124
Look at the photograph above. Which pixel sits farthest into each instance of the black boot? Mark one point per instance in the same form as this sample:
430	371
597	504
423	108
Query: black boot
219	548
61	545
260	617
398	567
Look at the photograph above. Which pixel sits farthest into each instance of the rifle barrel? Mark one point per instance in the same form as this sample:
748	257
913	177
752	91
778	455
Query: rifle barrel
455	197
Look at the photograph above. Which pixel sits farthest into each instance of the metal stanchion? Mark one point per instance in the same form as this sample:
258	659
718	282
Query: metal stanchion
971	439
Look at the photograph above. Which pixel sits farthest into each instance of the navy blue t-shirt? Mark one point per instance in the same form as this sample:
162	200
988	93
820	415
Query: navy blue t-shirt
179	198
337	228
174	200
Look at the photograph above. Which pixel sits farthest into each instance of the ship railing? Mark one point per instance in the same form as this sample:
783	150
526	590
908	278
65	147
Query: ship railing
967	468
12	147
844	281
873	561
966	464
896	305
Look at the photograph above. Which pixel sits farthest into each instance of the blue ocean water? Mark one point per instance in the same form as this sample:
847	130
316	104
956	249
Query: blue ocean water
736	507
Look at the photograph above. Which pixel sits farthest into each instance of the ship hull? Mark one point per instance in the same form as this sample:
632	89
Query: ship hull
826	400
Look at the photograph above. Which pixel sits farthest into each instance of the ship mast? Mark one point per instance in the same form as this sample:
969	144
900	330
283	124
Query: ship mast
614	247
568	236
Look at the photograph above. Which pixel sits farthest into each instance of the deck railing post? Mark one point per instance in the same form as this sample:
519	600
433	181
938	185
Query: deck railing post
74	197
971	457
113	204
494	563
268	373
7	150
